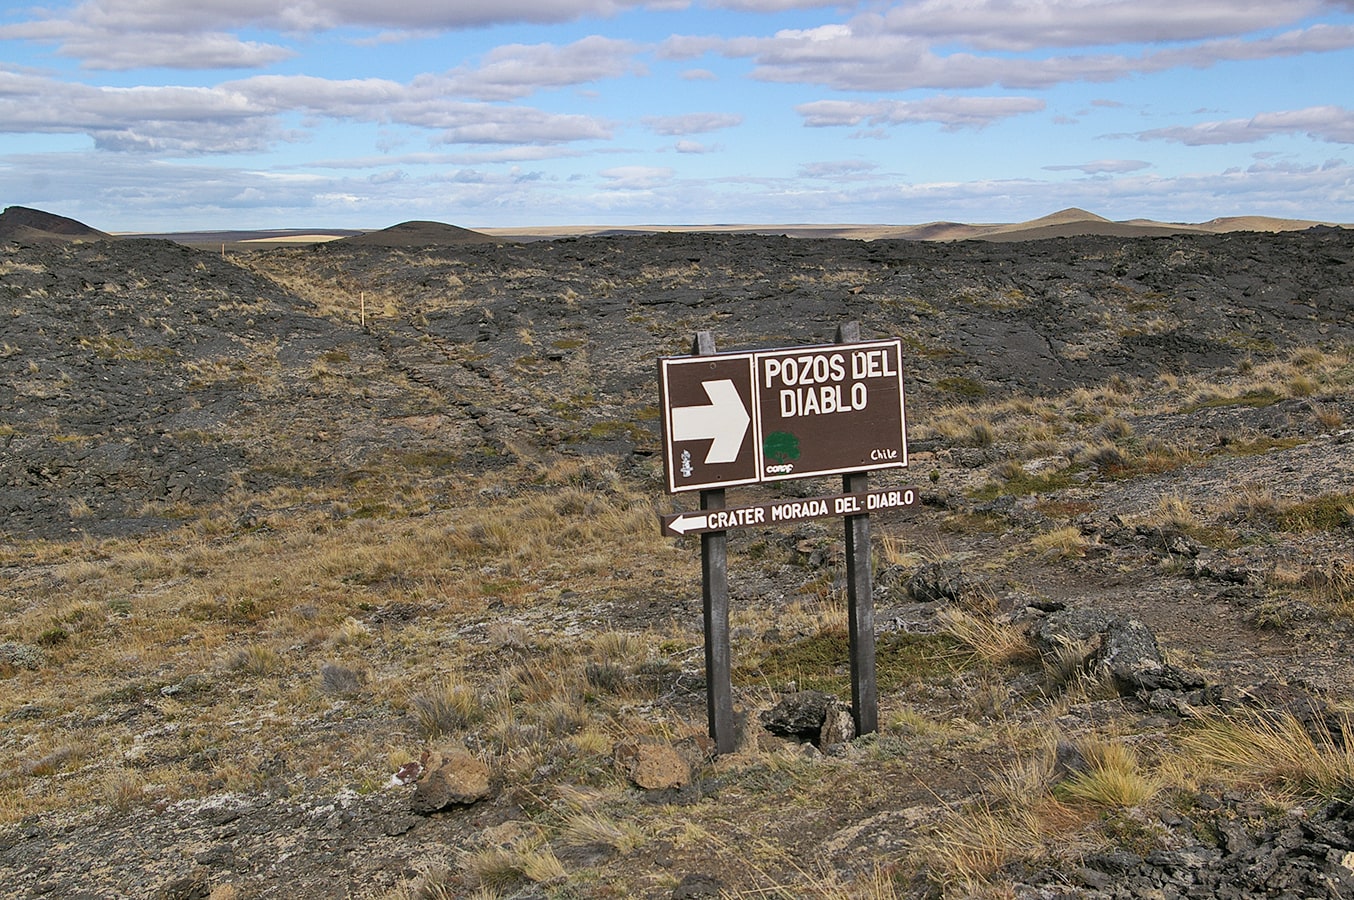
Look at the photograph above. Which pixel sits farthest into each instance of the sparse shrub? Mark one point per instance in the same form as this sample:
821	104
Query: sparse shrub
350	633
1327	417
53	636
1107	459
448	707
981	434
606	677
509	634
1302	386
962	386
1116	429
1251	502
340	680
1324	513
54	760
1174	512
593	828
122	790
256	659
503	868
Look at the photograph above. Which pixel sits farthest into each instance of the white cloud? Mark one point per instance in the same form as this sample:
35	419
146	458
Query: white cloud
126	192
129	34
517	70
482	124
175	16
1333	124
636	178
1103	167
691	123
849	168
695	147
184	120
773	6
99	48
867	55
1022	25
246	115
951	113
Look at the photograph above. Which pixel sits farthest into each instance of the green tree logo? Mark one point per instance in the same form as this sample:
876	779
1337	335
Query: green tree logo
780	447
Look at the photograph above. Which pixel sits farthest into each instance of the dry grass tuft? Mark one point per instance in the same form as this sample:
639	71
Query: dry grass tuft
1113	779
526	859
446	707
1280	753
1067	542
595	828
991	641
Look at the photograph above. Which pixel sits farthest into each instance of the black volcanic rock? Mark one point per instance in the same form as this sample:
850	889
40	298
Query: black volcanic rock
137	374
24	225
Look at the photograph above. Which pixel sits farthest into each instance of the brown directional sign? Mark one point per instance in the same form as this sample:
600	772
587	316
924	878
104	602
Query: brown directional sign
775	415
785	511
707	404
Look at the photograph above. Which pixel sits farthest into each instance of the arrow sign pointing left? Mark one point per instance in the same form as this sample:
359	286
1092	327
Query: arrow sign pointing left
723	421
685	522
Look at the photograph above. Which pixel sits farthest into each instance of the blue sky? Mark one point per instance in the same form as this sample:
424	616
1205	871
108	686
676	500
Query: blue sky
162	115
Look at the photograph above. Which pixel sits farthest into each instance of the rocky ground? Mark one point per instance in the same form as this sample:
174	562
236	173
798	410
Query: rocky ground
1100	427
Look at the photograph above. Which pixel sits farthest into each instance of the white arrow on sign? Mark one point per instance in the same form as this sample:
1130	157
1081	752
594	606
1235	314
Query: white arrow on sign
723	421
684	523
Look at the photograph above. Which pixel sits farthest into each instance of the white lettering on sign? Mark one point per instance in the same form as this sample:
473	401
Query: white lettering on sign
872	364
823	384
890	499
804	370
721	519
799	509
821	400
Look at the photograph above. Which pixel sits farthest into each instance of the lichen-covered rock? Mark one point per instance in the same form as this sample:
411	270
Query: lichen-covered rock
453	778
652	764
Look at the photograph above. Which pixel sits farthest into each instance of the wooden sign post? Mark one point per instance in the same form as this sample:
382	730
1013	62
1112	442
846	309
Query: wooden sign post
715	597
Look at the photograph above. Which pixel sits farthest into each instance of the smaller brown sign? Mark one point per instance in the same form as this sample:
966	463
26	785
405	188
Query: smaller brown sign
778	512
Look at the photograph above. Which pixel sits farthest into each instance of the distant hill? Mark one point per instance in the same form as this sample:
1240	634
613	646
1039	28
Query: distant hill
24	225
1071	222
420	234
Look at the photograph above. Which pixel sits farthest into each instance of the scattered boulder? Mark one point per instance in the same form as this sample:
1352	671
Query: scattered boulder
810	716
652	764
1124	650
1076	627
1130	655
450	778
1254	856
937	581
